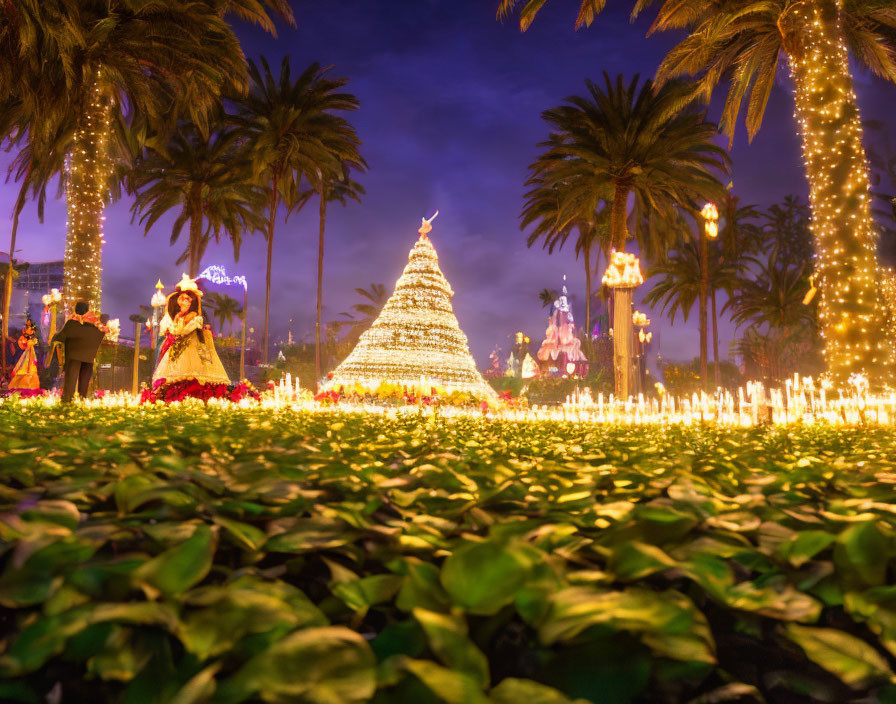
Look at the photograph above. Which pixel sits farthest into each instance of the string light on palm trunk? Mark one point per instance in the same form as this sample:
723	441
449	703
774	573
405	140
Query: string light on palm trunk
88	169
850	307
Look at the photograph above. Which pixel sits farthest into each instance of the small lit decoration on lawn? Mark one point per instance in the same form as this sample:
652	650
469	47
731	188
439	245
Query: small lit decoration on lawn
801	400
416	342
849	310
88	168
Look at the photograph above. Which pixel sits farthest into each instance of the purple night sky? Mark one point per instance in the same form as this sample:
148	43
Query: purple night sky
450	116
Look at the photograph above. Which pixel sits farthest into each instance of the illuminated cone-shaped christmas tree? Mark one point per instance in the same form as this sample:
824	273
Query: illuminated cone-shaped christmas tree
416	341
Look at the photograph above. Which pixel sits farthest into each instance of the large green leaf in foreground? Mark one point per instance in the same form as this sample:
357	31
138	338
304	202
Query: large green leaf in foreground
188	554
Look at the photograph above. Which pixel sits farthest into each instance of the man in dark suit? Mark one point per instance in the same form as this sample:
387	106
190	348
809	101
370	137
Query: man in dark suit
81	339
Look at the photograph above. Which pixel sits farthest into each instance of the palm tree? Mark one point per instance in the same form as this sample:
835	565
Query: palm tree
293	131
138	63
773	296
209	178
775	355
255	11
40	145
621	141
740	237
547	296
787	230
372	301
544	208
678	288
224	308
742	42
340	188
95	66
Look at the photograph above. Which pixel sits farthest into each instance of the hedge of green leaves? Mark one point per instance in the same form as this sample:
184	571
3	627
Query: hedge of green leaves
181	555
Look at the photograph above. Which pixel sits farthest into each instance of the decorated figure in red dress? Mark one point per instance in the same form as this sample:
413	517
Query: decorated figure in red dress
189	365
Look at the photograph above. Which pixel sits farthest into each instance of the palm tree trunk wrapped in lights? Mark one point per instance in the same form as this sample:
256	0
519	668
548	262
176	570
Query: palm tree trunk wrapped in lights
86	192
846	265
416	342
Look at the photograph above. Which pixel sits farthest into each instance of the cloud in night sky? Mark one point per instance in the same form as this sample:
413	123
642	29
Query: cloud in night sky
450	118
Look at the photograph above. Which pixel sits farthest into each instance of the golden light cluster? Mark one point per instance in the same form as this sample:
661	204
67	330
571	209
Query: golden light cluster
52	298
624	271
416	341
710	215
850	311
86	190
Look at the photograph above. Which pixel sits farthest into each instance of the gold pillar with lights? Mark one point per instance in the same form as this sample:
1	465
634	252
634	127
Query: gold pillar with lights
88	171
851	311
623	275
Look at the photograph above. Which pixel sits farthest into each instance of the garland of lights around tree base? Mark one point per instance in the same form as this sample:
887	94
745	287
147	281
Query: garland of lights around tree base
415	343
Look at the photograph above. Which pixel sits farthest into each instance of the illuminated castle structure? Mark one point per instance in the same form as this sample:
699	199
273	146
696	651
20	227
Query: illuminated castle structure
561	352
416	342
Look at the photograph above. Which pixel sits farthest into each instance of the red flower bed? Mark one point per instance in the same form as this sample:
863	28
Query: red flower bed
23	393
190	388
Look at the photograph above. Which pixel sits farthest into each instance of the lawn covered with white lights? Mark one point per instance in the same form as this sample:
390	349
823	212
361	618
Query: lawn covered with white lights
184	554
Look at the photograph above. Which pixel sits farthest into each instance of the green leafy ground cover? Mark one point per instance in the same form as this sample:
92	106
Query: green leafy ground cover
181	555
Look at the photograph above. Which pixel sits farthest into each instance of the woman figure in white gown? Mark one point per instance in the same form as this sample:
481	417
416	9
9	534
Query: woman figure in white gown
188	351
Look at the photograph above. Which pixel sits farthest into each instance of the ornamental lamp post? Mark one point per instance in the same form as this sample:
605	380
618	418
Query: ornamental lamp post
623	275
51	303
158	302
640	321
113	331
139	321
243	340
710	230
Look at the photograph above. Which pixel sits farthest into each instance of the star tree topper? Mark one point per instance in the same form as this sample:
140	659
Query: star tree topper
426	225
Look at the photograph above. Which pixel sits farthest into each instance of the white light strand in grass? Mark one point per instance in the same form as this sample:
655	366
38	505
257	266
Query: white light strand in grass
800	401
